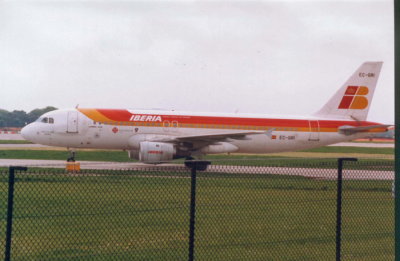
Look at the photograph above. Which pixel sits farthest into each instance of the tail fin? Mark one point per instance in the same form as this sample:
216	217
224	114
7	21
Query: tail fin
353	99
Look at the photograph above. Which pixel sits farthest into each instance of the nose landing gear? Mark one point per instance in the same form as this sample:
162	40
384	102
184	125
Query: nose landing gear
71	156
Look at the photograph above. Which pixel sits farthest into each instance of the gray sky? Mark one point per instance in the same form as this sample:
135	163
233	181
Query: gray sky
273	57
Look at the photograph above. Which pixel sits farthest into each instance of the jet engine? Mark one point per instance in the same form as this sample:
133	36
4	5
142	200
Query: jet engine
155	152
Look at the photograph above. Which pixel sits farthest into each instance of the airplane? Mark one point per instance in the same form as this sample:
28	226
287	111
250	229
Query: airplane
154	136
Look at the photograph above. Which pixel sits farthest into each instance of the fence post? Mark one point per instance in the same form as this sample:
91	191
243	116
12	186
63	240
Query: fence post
339	206
194	165
10	204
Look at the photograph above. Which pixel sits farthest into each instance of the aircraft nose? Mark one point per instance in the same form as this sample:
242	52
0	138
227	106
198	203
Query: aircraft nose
26	132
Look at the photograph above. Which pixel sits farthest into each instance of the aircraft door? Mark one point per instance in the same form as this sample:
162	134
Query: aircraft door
72	122
314	130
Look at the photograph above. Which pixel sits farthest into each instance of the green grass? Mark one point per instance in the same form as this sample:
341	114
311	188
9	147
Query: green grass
145	216
15	142
254	160
117	156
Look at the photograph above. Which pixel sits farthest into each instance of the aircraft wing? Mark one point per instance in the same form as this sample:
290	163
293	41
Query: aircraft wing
349	130
212	138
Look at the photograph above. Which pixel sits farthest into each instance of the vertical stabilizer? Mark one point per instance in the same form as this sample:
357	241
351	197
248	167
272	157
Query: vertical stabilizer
353	99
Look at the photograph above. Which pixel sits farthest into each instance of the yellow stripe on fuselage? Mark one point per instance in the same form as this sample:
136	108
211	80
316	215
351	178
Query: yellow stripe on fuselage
95	115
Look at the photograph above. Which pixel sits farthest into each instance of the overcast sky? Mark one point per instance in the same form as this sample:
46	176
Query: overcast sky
273	57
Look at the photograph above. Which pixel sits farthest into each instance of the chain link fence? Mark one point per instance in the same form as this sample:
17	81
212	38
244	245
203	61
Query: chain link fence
243	211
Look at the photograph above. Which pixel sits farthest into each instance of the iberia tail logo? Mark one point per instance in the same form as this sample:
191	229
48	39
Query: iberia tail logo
354	98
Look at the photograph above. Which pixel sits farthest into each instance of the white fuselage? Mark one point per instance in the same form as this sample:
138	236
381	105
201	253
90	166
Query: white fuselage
80	131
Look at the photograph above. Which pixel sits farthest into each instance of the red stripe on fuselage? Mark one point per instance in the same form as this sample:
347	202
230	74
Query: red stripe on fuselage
125	116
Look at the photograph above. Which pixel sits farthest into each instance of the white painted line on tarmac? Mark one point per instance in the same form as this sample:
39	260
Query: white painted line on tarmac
363	145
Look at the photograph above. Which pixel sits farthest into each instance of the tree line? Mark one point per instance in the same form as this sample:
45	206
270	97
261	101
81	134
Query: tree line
18	119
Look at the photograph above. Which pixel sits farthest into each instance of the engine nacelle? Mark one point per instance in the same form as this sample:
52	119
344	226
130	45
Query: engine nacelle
156	152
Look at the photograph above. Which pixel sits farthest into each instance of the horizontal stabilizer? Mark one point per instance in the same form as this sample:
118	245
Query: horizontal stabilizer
349	130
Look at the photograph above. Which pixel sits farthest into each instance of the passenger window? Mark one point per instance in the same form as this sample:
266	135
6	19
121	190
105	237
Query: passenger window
51	120
45	120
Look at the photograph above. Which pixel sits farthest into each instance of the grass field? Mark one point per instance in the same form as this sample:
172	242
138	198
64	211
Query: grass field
145	216
15	142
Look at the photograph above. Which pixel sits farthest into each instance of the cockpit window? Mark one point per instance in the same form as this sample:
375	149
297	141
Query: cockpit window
45	120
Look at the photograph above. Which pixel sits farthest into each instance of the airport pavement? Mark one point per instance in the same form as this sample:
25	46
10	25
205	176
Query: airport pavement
11	136
24	146
315	173
364	144
84	164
